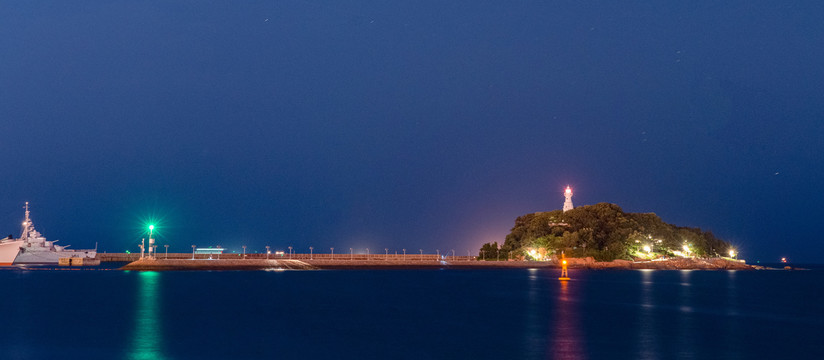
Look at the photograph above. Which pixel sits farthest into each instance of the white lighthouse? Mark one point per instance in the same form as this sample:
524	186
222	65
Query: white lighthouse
568	201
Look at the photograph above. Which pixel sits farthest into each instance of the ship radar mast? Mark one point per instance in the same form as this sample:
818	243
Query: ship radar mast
26	224
568	201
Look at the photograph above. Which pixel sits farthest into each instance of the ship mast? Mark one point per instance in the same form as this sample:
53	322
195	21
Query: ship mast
26	223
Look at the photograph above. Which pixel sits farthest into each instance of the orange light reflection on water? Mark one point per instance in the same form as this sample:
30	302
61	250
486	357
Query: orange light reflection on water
568	342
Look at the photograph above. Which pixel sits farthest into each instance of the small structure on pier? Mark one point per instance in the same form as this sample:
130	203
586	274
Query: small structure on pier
210	250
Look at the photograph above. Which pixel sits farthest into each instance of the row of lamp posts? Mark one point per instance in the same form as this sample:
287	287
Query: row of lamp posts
311	251
332	252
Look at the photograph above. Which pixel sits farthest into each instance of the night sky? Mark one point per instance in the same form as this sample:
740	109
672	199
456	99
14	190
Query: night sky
418	125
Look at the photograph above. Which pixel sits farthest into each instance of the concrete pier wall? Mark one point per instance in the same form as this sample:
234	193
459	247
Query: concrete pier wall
121	257
234	263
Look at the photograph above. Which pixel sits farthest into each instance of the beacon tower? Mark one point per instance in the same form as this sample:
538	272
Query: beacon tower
568	201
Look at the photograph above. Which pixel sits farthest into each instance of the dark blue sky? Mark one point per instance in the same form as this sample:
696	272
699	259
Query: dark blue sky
425	124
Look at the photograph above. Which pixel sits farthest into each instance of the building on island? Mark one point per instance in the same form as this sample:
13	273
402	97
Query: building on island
568	201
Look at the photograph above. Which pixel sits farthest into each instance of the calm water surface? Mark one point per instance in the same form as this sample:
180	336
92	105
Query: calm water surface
413	314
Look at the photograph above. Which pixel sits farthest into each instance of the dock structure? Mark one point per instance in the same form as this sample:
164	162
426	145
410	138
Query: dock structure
118	257
77	261
129	257
146	264
321	264
181	261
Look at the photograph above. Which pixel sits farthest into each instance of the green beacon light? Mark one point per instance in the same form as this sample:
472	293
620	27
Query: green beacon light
151	243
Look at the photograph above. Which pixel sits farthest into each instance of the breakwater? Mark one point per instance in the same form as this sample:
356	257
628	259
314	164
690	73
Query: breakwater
128	257
388	263
224	264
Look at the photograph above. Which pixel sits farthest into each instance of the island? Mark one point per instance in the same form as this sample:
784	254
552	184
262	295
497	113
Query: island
605	233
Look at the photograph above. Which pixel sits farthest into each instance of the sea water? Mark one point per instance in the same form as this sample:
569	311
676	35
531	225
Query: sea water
411	314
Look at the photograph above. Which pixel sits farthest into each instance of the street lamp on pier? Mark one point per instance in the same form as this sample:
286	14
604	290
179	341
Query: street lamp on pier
244	251
267	252
421	254
351	254
193	252
387	254
404	254
367	253
290	252
333	253
310	252
167	251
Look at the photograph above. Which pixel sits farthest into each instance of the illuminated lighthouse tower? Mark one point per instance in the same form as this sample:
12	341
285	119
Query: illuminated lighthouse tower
568	201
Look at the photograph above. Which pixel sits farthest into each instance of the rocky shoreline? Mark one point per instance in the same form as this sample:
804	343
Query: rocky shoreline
309	264
667	264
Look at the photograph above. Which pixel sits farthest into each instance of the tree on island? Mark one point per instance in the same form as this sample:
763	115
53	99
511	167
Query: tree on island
604	232
489	251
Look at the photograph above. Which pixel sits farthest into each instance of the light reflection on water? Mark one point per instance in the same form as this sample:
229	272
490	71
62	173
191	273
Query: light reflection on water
685	327
568	343
647	341
147	340
535	320
733	330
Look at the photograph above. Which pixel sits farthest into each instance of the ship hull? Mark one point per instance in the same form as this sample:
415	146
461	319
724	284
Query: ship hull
9	251
51	257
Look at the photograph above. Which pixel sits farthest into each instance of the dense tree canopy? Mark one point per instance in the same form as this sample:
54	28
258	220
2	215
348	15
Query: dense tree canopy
604	232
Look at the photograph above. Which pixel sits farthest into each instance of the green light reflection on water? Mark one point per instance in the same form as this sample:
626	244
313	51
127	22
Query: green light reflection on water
147	338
